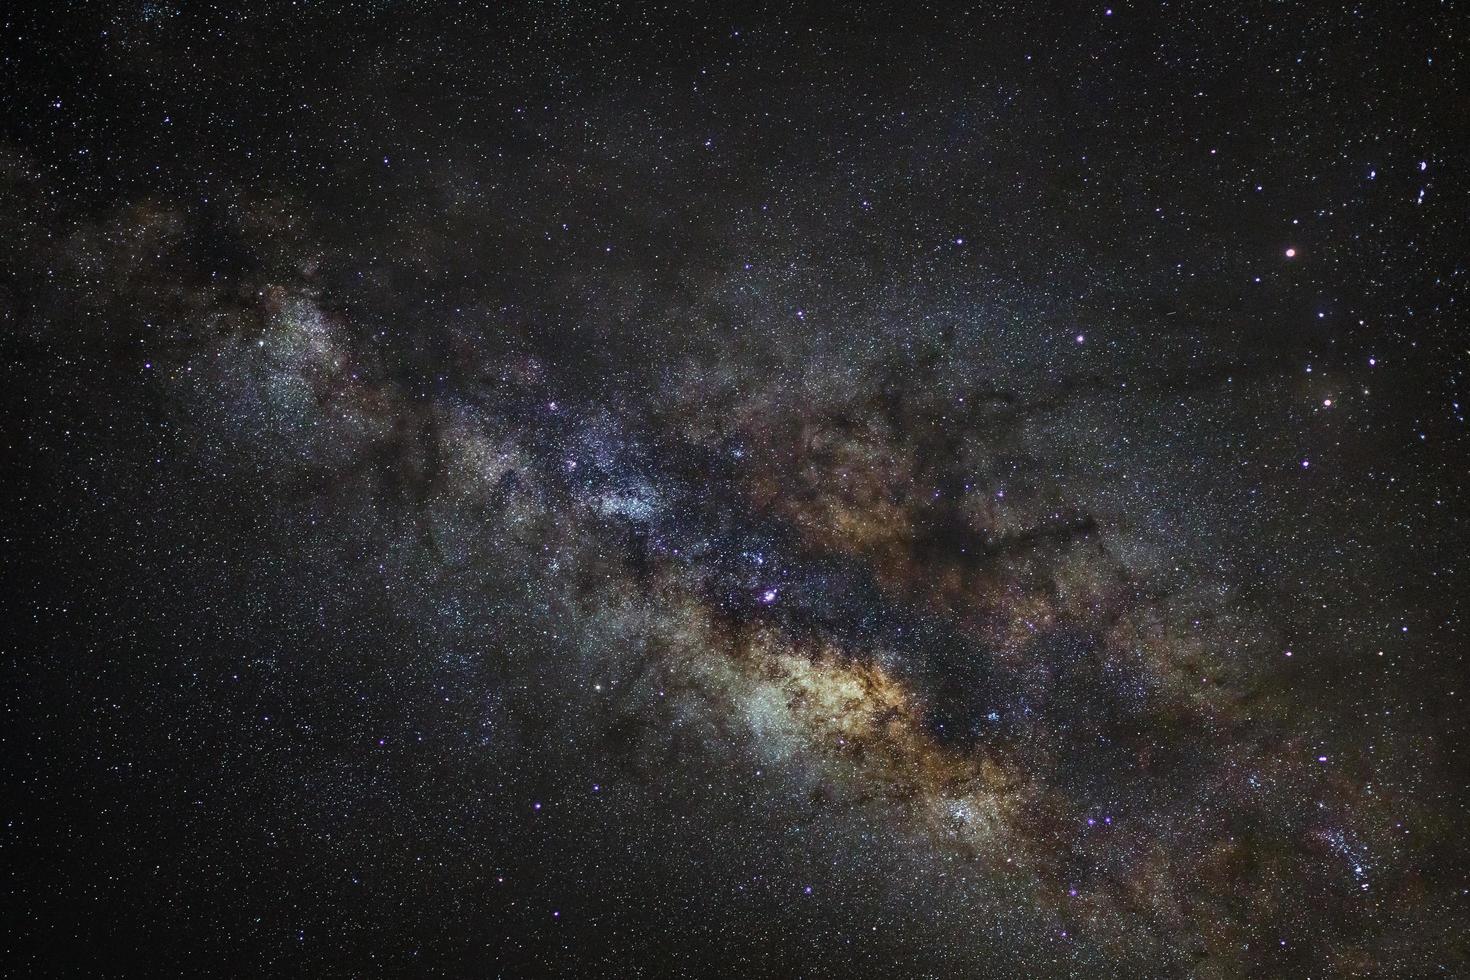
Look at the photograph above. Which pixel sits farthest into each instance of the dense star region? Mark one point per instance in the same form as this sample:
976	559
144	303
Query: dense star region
594	490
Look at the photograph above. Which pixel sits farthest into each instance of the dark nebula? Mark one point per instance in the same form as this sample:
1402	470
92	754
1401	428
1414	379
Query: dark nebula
603	490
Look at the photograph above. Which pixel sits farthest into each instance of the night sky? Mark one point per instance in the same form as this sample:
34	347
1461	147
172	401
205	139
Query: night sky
583	489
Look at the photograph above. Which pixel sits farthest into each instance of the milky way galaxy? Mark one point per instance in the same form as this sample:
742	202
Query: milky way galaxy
607	492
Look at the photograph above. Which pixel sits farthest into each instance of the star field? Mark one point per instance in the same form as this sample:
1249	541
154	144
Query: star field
605	490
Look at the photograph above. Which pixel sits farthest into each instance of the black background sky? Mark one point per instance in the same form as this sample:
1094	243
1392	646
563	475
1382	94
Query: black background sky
592	489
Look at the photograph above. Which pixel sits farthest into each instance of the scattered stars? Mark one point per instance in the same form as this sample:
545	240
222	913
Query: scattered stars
958	592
